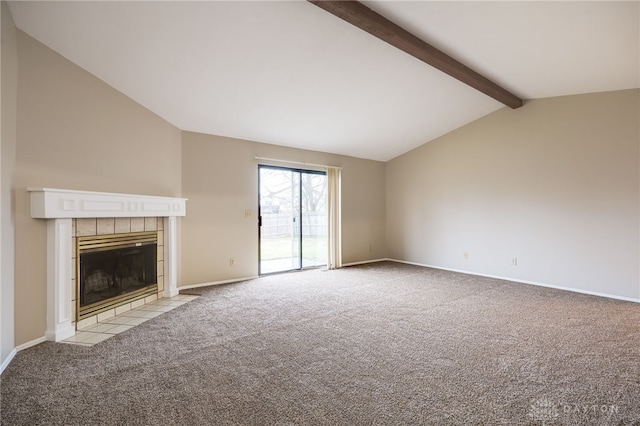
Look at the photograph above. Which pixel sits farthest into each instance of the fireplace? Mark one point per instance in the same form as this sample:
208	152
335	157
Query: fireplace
114	270
72	215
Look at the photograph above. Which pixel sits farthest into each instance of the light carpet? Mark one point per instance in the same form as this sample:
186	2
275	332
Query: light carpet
377	344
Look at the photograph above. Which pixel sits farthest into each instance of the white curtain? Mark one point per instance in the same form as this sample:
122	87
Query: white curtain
334	177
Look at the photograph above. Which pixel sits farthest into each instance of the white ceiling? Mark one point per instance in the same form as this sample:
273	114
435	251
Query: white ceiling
289	73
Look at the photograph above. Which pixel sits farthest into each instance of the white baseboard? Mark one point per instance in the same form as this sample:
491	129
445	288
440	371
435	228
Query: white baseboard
31	343
234	280
7	360
19	348
365	262
539	284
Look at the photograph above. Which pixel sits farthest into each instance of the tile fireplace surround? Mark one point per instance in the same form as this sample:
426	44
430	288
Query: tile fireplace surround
61	206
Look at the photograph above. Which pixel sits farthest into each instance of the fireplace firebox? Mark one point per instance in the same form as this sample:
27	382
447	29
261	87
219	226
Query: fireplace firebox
114	270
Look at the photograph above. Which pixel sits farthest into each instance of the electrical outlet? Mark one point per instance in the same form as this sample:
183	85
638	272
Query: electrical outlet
232	261
369	248
514	261
248	214
465	255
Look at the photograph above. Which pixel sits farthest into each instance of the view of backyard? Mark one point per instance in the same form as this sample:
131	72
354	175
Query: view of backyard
314	249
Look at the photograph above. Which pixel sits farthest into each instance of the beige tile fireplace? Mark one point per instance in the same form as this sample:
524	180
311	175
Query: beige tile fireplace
88	228
72	214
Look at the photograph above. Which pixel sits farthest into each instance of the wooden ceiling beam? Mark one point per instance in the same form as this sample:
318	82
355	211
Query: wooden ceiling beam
375	24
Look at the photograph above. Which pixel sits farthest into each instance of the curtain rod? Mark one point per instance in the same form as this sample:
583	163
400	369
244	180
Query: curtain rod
297	162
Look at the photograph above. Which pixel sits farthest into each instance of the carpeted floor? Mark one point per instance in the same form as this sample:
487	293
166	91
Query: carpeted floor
385	344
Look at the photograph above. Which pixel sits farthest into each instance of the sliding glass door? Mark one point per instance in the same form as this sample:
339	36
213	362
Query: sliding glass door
293	219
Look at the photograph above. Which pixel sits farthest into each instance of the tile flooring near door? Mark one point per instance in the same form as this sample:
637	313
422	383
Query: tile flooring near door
109	327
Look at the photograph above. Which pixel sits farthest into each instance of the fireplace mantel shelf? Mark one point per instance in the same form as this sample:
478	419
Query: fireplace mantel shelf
52	203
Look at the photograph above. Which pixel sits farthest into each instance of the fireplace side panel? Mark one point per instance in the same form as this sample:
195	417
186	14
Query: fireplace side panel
74	272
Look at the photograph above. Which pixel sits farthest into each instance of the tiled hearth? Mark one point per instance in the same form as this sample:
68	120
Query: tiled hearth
96	331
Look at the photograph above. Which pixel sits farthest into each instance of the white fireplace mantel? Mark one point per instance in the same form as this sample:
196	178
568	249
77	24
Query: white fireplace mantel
60	206
51	203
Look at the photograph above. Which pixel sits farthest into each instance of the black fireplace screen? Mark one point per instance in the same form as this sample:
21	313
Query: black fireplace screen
115	268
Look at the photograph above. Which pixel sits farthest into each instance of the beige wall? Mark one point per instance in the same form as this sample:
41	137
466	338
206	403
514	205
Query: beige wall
220	178
76	132
555	184
9	78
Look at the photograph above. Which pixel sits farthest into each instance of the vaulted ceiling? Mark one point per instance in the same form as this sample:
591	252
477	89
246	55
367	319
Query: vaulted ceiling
290	73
